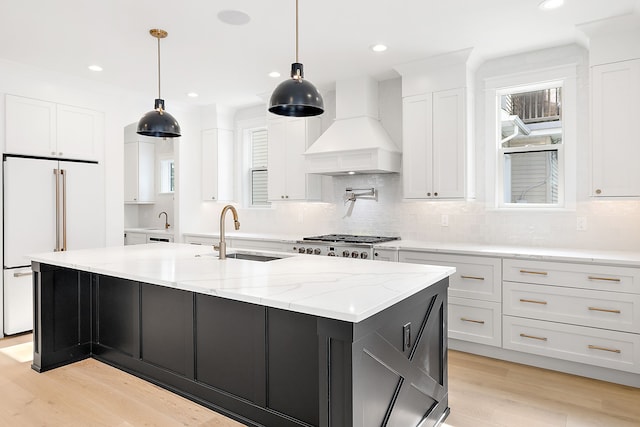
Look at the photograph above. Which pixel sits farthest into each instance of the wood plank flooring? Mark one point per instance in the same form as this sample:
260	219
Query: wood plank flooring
482	393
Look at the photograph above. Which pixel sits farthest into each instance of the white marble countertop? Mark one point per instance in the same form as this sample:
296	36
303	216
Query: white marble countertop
627	258
338	288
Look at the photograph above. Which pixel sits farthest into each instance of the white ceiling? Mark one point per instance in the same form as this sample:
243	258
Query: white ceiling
228	65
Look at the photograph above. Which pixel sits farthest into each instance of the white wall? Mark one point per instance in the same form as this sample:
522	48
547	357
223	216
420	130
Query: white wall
611	224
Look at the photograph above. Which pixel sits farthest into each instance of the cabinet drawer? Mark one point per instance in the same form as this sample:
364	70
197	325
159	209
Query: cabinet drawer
475	321
259	245
609	349
197	240
606	310
587	276
475	277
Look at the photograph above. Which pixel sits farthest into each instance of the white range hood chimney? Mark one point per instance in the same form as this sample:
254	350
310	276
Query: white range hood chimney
356	142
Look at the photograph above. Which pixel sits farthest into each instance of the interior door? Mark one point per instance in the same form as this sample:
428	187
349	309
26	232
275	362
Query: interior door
29	209
85	205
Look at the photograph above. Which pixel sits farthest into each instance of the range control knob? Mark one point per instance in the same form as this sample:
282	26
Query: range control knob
309	250
364	255
301	250
331	253
346	254
317	251
355	254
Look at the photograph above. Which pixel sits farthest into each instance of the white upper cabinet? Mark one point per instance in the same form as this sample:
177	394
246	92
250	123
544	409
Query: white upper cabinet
217	165
615	90
139	172
289	138
46	129
434	145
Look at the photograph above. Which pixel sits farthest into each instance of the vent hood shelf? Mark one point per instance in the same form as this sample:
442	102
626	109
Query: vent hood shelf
356	142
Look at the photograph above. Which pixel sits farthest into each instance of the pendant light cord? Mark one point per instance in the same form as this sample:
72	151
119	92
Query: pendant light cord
160	97
297	31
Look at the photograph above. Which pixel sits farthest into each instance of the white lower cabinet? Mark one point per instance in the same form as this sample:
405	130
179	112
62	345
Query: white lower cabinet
385	255
593	346
475	321
200	240
475	295
585	313
598	309
135	238
261	245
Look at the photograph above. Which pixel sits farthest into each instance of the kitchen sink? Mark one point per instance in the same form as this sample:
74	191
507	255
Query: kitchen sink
253	257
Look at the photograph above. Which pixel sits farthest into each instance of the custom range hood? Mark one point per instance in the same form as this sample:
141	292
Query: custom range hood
356	142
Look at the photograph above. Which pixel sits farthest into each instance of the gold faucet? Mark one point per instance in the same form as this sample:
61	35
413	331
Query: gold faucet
166	220
222	245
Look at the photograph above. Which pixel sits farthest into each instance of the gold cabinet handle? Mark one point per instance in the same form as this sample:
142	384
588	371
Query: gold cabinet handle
464	319
532	301
607	279
606	310
533	337
540	273
472	277
597	347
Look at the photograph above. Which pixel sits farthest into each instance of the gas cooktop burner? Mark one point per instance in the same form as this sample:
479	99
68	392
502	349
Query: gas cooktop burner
350	238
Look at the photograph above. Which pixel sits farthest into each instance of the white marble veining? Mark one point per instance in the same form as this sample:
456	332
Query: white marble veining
339	288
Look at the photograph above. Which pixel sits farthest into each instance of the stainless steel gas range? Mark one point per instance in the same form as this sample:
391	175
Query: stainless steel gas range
341	245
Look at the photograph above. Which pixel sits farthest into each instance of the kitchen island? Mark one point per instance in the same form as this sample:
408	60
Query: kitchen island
294	341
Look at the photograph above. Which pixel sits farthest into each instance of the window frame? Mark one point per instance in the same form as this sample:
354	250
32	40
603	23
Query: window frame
501	151
161	171
562	76
244	128
253	168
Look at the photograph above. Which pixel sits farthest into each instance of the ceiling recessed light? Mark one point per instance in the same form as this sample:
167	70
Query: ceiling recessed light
351	173
378	48
233	17
192	95
95	67
274	74
550	4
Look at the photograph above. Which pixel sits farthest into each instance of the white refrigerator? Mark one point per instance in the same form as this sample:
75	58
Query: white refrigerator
49	205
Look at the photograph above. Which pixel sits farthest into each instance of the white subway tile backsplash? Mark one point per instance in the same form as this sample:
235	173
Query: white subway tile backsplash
612	225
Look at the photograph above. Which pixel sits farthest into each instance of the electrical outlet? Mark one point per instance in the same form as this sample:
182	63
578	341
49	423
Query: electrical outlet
581	223
444	220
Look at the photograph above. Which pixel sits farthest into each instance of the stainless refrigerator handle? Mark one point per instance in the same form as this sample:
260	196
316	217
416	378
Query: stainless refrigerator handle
64	209
56	172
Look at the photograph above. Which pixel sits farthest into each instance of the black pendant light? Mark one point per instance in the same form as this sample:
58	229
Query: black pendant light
158	122
296	97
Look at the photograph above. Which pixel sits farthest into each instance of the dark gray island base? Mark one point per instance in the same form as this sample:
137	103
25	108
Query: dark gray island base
259	365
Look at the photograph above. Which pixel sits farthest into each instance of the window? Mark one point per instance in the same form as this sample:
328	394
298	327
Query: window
258	171
530	145
167	176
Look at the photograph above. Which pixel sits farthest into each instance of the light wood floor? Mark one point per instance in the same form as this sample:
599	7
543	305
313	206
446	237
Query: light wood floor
482	392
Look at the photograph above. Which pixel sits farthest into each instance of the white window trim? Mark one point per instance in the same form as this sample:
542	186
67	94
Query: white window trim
243	177
160	159
495	86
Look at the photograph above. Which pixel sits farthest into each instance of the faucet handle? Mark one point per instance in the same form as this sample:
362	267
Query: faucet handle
216	248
